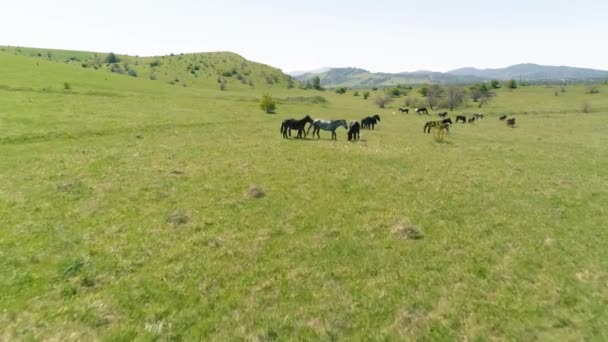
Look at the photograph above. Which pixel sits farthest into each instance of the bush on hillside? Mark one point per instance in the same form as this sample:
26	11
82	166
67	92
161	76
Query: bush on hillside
341	90
112	58
382	100
132	73
511	84
268	104
365	95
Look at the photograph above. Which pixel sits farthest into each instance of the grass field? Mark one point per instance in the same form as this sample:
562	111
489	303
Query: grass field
125	214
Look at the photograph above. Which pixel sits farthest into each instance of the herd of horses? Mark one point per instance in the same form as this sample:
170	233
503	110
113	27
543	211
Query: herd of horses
369	122
353	127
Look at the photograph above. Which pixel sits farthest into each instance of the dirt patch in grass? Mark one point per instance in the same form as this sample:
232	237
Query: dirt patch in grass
178	218
255	191
406	230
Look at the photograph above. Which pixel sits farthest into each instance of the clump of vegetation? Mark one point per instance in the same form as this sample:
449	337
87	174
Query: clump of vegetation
511	84
132	73
407	231
316	83
455	97
66	86
586	107
341	90
223	85
494	84
592	90
178	218
112	58
268	104
255	191
440	133
365	95
383	99
481	94
356	93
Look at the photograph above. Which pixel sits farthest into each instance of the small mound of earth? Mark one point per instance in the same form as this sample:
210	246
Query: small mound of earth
407	231
255	191
178	218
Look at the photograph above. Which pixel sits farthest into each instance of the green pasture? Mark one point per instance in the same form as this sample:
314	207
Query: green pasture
126	213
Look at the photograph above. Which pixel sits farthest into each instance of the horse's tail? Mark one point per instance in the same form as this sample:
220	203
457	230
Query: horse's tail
282	127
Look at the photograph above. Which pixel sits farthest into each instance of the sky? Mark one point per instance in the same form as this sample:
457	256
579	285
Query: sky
377	35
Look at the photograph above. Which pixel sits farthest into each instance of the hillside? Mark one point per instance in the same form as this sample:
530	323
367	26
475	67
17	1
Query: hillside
186	70
534	72
360	78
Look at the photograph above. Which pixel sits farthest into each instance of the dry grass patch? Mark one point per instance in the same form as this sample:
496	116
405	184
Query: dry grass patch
407	231
255	191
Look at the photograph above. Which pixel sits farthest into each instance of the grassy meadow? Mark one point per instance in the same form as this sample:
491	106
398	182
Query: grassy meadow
125	212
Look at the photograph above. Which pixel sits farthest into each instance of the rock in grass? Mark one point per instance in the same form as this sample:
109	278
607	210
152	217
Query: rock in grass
255	191
406	230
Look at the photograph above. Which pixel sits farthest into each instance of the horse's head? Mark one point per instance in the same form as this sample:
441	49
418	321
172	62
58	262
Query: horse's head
343	123
377	117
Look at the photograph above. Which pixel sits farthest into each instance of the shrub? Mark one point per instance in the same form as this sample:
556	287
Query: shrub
592	90
511	84
223	86
316	83
112	58
268	104
132	73
365	95
341	90
494	84
382	100
356	93
586	107
153	77
66	86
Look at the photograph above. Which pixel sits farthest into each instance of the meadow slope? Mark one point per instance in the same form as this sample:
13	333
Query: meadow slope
124	214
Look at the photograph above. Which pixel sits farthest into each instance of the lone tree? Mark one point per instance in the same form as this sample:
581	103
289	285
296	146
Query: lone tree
365	95
481	94
341	90
494	84
434	94
268	104
316	83
455	96
512	84
112	58
383	99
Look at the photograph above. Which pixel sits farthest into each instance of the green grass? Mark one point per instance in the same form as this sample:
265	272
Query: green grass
124	214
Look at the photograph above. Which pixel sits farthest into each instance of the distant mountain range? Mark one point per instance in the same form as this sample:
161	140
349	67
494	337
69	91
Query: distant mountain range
533	73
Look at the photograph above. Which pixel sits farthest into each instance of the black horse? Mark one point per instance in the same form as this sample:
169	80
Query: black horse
422	110
353	130
445	123
443	115
461	118
404	110
511	122
472	119
502	117
289	124
369	122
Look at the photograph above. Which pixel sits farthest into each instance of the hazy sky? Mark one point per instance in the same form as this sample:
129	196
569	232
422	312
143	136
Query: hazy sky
379	35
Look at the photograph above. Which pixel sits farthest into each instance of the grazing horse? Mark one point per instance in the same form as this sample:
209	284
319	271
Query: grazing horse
404	110
478	116
422	110
472	119
289	124
443	115
445	123
353	130
502	117
327	125
370	121
461	118
511	122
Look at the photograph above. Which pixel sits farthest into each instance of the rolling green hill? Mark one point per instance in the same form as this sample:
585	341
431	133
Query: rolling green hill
134	209
194	70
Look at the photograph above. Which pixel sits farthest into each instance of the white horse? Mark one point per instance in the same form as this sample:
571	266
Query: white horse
327	125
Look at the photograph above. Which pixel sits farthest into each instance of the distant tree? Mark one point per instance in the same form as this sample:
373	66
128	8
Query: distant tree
494	84
423	91
308	85
132	72
383	99
395	92
112	58
268	104
341	90
316	83
365	95
434	94
455	96
290	83
511	84
478	90
223	85
356	93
